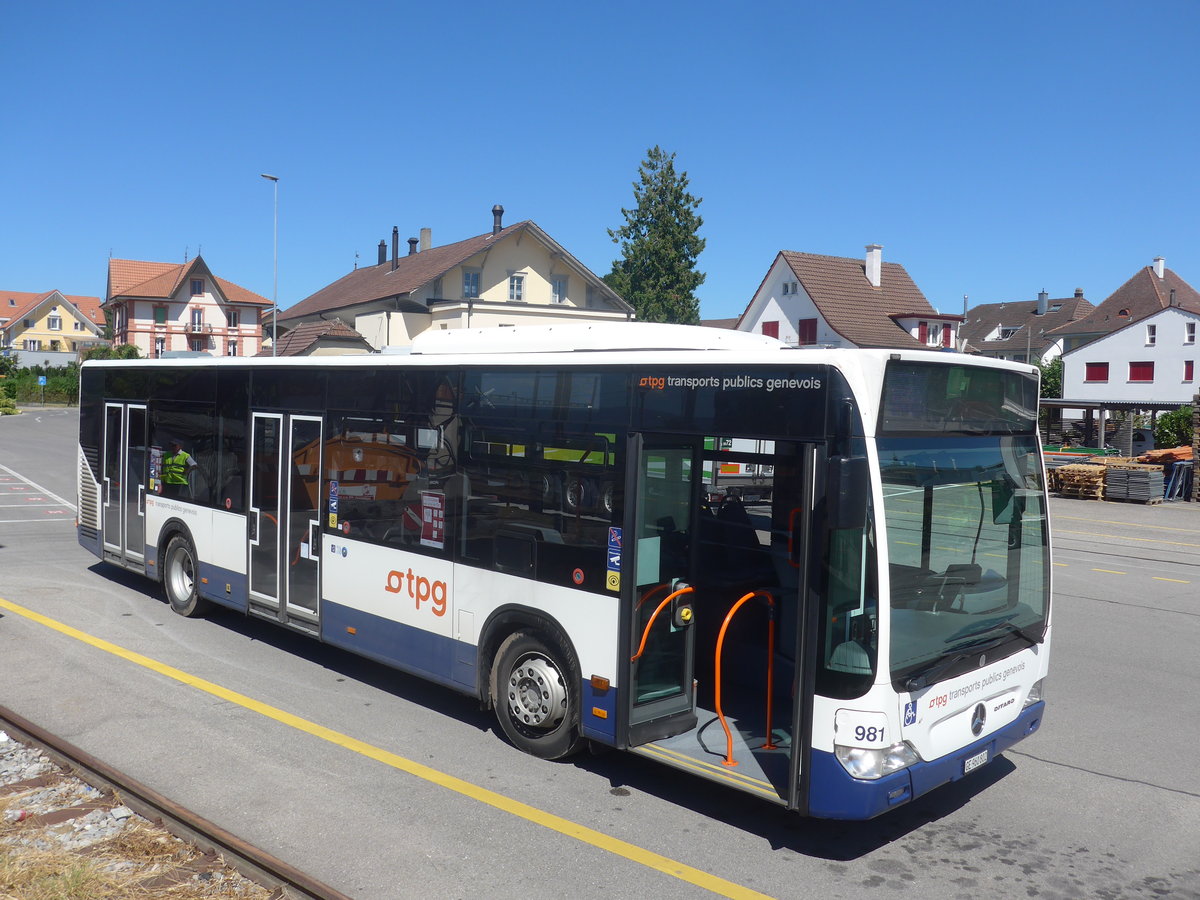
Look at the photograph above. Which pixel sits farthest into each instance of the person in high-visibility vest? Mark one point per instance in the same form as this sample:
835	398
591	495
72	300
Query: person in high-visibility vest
177	467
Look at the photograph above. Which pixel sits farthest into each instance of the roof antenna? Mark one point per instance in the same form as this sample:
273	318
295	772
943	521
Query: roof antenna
355	260
185	254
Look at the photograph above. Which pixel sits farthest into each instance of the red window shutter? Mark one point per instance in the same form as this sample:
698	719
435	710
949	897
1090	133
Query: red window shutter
1189	370
1095	371
806	332
1141	371
770	329
923	332
945	334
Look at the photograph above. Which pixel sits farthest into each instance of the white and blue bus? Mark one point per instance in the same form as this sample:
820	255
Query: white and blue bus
522	515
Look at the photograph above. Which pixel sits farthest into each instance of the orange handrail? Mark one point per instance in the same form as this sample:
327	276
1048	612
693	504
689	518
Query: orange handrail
769	745
646	633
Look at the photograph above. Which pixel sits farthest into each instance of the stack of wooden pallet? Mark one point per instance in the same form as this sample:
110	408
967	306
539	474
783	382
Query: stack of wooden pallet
1081	481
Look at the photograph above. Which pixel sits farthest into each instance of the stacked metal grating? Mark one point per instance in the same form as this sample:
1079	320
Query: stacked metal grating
1141	485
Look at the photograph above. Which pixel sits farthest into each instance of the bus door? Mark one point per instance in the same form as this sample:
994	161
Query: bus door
124	483
660	548
284	525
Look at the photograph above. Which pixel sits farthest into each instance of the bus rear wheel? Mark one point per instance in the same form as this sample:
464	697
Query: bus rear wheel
535	689
180	578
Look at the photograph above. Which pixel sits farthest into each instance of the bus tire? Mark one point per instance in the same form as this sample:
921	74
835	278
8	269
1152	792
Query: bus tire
535	689
180	578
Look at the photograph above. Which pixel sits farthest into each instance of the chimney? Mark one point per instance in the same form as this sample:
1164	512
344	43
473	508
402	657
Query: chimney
382	252
497	215
395	246
1159	263
1171	302
1043	297
426	239
1078	293
412	246
874	266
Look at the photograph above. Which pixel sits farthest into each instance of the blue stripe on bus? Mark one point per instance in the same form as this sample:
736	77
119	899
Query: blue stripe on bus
835	795
214	588
396	644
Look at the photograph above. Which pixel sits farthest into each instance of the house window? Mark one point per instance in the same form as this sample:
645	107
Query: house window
78	325
231	348
235	319
470	283
29	323
55	345
516	287
1151	335
558	288
1189	332
786	287
1095	371
54	320
437	289
160	346
1141	372
33	344
1189	370
197	287
806	332
197	344
770	329
197	320
160	315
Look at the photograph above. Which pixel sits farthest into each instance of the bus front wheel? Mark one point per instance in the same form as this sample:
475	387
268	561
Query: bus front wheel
536	693
180	578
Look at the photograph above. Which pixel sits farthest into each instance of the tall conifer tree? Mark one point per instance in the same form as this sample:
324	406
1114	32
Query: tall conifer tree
660	245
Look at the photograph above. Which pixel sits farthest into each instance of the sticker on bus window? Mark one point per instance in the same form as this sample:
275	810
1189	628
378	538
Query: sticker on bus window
433	519
333	520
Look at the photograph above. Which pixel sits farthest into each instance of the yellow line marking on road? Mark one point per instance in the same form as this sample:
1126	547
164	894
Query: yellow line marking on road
1064	565
1129	524
1119	537
1110	571
598	839
1172	580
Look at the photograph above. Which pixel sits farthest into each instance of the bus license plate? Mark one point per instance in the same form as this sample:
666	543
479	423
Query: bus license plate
971	763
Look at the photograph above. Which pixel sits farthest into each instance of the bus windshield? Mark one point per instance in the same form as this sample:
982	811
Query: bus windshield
968	551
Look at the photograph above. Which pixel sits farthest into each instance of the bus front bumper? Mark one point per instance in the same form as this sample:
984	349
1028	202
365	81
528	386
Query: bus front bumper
833	794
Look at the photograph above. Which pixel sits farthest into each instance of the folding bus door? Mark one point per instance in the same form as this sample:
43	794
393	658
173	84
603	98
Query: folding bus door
661	538
123	485
283	524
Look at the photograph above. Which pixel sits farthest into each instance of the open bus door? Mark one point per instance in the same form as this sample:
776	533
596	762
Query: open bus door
661	548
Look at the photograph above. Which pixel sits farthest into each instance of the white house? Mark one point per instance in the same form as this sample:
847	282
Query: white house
172	307
807	299
1152	359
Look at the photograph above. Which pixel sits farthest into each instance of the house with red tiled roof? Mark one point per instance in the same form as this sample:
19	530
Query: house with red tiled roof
807	299
511	275
166	308
1021	330
1138	345
331	337
49	328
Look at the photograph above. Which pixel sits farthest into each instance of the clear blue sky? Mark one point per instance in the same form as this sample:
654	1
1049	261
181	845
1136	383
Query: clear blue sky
995	149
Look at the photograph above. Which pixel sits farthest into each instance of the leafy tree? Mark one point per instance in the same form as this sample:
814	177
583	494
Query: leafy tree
123	351
659	245
1052	373
1174	428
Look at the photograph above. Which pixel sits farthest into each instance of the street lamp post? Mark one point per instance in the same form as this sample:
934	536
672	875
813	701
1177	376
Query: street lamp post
274	179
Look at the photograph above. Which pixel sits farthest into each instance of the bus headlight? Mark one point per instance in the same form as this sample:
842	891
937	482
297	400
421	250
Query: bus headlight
860	762
1035	693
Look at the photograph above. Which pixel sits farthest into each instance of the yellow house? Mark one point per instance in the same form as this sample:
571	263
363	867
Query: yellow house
514	275
49	328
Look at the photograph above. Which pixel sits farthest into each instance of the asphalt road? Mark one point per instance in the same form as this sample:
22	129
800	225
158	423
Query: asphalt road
385	786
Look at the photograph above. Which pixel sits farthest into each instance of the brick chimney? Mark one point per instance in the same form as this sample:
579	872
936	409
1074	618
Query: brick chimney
874	267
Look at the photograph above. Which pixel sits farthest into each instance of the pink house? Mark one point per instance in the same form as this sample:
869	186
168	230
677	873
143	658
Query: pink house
171	307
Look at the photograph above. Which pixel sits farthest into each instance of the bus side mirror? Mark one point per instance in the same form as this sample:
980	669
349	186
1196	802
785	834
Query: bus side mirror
847	486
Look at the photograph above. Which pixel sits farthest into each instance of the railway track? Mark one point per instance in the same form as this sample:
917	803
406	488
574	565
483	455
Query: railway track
100	799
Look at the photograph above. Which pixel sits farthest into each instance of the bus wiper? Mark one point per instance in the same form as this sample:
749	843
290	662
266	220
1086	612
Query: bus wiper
930	673
1005	622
